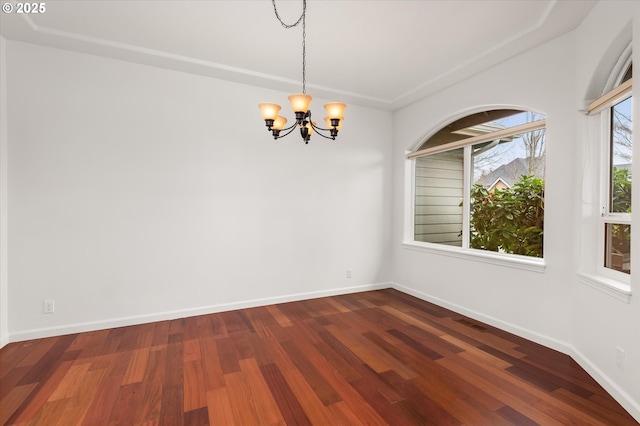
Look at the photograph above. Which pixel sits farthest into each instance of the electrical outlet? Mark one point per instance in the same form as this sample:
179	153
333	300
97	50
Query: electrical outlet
48	306
620	358
348	273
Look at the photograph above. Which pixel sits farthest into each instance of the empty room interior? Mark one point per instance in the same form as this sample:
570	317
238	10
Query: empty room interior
447	241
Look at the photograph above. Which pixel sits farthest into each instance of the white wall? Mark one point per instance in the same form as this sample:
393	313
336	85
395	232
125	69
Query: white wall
602	323
525	300
4	282
551	307
138	193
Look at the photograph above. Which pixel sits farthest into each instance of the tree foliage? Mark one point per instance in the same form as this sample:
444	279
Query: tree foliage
509	220
534	145
622	133
620	190
621	203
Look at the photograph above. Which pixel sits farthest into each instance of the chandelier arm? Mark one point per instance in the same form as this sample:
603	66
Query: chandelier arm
326	137
318	132
316	128
288	130
290	127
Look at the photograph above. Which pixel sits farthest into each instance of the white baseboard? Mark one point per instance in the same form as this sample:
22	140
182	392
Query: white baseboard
502	325
633	407
4	342
629	404
183	313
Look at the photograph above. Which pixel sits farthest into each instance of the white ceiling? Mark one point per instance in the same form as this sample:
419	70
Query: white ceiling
384	54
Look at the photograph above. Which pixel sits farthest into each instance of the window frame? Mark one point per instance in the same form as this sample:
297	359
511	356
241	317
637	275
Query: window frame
529	263
606	216
613	283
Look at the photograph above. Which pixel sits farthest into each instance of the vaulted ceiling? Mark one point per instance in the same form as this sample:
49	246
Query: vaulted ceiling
384	54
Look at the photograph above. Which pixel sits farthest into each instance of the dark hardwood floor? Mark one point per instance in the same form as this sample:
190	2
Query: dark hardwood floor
380	357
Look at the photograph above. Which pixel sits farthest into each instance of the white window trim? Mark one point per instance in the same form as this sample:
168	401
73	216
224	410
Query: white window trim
605	216
612	283
611	98
533	264
466	198
527	263
474	140
608	286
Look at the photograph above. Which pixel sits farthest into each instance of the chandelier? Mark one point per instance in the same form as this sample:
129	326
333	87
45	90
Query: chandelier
300	101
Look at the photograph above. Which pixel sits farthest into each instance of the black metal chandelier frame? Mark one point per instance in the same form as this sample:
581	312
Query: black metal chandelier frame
302	118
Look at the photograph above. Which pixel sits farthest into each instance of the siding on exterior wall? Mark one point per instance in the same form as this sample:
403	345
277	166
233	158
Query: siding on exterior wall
439	186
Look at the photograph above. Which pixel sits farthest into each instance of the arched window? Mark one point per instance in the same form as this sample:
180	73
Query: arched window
479	183
615	106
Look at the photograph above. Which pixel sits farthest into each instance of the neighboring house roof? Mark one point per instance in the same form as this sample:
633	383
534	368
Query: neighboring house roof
626	166
497	182
510	173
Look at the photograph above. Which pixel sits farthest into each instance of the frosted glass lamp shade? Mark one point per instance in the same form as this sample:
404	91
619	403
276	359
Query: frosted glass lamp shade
327	120
279	123
269	111
308	125
335	109
300	102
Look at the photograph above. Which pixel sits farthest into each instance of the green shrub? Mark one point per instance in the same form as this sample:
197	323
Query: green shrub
509	220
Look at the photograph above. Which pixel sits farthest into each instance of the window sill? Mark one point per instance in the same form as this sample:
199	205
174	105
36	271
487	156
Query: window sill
505	260
616	289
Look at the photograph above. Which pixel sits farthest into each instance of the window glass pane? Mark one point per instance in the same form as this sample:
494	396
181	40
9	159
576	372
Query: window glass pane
503	177
620	169
438	192
507	196
618	247
473	125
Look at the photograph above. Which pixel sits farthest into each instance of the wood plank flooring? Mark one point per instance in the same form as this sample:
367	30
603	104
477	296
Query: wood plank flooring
379	357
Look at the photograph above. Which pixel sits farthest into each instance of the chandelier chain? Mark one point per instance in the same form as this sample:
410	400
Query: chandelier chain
300	102
302	19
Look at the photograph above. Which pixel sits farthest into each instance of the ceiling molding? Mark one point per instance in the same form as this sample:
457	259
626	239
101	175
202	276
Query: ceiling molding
539	31
427	87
